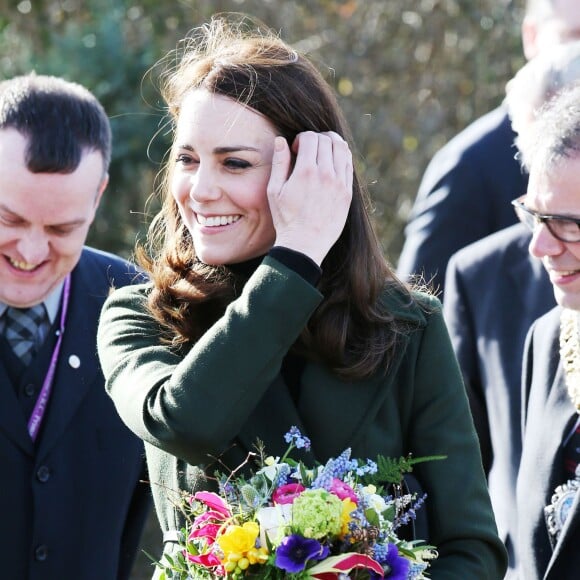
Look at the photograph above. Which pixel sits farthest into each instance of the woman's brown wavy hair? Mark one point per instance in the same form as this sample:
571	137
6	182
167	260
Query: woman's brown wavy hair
351	331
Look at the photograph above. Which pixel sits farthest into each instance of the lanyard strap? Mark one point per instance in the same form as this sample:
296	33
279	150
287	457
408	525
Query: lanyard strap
39	410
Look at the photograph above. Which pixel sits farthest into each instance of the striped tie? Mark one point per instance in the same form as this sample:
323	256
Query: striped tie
22	326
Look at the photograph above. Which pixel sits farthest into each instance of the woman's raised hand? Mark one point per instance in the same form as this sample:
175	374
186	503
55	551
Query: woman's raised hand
310	201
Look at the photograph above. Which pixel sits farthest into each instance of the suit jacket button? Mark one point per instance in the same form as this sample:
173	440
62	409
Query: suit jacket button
43	474
41	553
29	390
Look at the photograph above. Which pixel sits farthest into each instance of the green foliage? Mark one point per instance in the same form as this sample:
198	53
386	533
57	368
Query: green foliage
392	470
409	76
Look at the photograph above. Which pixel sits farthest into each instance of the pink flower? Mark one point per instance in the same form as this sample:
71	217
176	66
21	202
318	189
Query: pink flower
343	490
207	560
213	501
287	493
208	524
209	532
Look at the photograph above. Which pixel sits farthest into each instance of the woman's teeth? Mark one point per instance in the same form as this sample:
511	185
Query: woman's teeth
217	220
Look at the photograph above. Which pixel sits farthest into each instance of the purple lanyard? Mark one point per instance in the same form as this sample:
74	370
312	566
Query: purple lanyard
37	416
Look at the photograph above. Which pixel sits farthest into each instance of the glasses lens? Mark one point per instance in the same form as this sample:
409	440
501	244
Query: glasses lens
565	230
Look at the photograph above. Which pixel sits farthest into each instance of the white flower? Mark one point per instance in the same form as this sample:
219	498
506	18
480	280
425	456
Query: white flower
271	469
377	503
274	522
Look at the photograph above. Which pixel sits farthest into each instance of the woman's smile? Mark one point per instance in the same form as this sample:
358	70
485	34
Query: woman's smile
222	164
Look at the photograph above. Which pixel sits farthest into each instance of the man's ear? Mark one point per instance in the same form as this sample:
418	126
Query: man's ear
101	190
529	37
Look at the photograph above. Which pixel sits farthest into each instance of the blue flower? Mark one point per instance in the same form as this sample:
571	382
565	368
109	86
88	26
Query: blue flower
395	567
296	438
295	551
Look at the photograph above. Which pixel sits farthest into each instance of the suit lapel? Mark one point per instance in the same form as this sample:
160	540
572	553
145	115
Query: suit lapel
12	421
77	362
568	541
557	420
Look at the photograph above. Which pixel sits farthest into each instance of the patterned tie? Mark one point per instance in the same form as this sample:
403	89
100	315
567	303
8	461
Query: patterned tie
22	328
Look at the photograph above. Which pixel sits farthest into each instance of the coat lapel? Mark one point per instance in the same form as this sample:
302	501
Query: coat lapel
558	420
348	407
272	419
77	361
568	541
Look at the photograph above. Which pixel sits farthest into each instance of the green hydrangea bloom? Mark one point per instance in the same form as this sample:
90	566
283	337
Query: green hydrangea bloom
316	513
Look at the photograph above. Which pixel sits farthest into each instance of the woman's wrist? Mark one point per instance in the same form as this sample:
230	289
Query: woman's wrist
300	263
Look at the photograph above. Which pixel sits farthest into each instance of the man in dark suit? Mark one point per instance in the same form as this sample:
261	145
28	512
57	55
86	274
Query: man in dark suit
467	187
548	484
71	497
494	291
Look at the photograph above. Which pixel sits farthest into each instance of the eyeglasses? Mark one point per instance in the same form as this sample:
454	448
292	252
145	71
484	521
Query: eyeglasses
563	228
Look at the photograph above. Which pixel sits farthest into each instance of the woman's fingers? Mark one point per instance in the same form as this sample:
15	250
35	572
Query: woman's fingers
310	207
280	166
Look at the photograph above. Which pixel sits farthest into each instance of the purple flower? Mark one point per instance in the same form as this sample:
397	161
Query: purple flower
295	551
395	567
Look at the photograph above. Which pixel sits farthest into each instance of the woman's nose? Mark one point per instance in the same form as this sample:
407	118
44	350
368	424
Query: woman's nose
204	185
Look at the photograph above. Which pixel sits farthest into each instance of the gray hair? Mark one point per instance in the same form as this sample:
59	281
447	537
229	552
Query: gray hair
539	80
555	134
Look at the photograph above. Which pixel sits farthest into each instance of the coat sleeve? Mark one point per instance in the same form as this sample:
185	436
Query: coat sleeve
461	520
192	405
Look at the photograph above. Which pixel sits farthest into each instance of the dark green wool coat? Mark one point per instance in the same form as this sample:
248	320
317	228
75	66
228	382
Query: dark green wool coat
228	388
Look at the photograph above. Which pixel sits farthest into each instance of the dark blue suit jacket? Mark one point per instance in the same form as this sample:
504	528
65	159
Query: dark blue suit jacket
494	292
464	196
71	506
547	416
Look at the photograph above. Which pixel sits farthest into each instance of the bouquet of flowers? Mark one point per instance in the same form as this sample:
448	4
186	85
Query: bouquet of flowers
286	520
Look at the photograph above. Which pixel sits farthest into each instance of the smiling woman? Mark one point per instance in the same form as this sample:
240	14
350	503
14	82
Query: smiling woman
219	179
271	304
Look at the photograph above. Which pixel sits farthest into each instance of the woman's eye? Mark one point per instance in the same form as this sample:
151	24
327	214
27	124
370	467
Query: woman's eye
184	159
237	163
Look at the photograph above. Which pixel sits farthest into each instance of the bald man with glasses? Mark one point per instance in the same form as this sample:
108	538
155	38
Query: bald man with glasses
548	483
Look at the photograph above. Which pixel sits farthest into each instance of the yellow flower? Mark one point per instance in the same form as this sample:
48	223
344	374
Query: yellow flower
348	506
238	539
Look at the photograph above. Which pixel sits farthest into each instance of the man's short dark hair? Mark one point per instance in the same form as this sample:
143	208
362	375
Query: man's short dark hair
60	119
